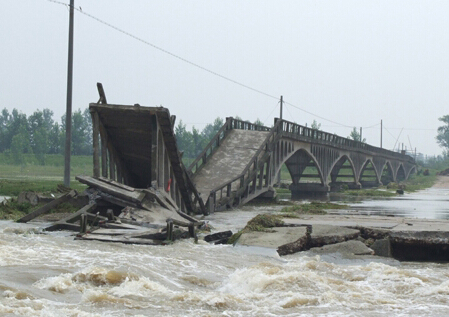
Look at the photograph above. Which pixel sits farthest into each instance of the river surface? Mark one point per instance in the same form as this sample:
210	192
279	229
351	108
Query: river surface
55	275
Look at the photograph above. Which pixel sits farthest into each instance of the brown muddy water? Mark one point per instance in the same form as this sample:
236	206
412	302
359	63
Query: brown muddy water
54	275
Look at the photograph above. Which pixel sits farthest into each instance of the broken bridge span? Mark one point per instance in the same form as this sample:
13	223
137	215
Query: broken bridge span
136	146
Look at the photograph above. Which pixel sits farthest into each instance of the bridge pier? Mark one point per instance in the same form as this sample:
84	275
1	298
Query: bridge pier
336	186
368	184
301	189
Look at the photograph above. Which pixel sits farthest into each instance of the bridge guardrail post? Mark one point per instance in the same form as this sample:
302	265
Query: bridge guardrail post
211	204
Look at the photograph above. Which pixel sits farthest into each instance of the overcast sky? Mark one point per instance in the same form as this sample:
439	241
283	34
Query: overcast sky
342	63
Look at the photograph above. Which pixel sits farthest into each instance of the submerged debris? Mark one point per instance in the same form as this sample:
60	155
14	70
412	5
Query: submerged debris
117	213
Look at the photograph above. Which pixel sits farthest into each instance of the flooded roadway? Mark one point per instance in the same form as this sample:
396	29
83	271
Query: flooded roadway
432	203
54	275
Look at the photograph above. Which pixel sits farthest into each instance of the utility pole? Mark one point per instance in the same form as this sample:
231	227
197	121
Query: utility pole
282	101
361	134
279	174
68	115
380	133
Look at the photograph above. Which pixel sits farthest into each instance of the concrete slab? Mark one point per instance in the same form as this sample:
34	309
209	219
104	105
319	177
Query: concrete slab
393	224
287	240
279	236
345	221
331	230
348	247
404	239
229	160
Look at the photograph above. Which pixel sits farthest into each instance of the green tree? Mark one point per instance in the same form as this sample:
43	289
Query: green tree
443	132
258	122
355	135
20	144
197	142
183	139
13	124
81	133
5	118
209	131
40	125
56	139
315	125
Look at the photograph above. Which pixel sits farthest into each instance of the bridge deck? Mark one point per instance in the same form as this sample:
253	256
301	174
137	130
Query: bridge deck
229	160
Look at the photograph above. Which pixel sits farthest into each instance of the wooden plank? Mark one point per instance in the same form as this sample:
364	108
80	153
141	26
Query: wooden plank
46	208
190	218
101	93
160	198
96	141
119	202
128	108
66	223
121	168
104	151
135	196
112	182
121	239
111	166
154	150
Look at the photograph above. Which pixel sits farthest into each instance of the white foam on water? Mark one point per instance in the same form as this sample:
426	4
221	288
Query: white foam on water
141	288
60	284
64	277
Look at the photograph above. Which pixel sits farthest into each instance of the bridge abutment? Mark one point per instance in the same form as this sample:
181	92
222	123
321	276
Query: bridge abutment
368	184
337	186
301	189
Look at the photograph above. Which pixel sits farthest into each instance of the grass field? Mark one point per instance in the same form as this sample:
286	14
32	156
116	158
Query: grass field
41	178
44	178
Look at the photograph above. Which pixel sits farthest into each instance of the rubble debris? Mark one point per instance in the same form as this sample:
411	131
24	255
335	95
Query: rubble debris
46	208
443	173
120	213
219	237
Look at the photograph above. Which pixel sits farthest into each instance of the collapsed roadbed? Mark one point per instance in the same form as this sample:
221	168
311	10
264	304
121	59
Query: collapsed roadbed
119	213
404	239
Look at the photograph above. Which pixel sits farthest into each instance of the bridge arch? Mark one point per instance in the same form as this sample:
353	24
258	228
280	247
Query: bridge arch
367	179
297	162
387	173
400	173
338	166
411	171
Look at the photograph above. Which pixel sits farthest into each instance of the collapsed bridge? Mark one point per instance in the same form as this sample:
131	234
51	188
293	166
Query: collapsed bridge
136	146
243	162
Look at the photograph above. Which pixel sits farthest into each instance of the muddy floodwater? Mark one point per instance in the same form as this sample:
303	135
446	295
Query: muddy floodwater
54	275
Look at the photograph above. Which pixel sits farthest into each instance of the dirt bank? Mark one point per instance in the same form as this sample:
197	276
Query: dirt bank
442	182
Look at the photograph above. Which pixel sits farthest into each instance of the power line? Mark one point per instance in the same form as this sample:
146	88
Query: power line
187	61
290	113
270	113
322	118
166	52
372	126
388	131
202	67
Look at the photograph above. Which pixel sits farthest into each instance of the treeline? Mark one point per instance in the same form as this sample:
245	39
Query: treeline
40	134
193	142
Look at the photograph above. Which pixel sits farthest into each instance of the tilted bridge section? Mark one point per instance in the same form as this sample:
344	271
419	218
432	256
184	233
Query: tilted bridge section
243	161
136	146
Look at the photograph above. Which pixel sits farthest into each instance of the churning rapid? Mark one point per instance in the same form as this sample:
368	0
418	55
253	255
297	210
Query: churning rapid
54	275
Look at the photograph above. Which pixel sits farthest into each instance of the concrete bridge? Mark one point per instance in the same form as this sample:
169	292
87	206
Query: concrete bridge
136	146
243	162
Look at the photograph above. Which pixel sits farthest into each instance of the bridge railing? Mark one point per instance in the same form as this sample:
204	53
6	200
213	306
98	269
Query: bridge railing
239	183
230	124
308	134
